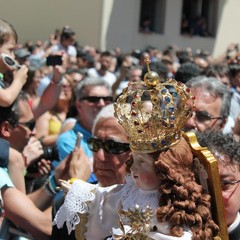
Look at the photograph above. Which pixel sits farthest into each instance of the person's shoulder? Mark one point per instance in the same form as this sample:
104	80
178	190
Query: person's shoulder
70	120
68	124
4	142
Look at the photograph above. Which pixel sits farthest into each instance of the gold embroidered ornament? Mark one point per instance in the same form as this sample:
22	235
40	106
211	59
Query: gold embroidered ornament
153	113
138	221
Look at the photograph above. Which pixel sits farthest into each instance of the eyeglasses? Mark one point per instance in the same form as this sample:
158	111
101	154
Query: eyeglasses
202	116
30	124
228	185
96	99
109	146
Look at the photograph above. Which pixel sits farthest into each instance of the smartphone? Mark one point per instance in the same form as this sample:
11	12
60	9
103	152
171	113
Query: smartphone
54	60
78	141
10	63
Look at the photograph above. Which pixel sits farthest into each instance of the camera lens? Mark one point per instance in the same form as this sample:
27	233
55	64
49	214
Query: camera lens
49	153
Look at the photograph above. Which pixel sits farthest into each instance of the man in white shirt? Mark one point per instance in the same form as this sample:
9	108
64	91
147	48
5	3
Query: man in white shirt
103	72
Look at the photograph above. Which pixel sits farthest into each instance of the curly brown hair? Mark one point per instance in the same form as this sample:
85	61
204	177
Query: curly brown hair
182	201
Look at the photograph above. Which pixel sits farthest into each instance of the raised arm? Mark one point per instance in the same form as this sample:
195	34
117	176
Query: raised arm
51	94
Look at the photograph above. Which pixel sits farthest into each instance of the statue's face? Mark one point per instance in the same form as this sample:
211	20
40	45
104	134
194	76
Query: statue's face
143	173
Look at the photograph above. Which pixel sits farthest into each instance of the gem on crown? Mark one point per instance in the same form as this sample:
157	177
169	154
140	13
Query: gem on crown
153	113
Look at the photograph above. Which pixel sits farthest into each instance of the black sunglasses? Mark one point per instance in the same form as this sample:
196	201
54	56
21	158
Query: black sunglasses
96	99
202	116
109	146
30	124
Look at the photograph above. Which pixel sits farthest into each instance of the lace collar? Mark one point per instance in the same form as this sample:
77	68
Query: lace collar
132	196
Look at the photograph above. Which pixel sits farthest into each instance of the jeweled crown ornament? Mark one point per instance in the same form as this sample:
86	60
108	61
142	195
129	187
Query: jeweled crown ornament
153	113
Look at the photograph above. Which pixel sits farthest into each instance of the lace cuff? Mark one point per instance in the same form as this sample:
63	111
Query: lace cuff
77	201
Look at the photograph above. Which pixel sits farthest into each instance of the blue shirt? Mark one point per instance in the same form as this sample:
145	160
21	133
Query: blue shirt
66	143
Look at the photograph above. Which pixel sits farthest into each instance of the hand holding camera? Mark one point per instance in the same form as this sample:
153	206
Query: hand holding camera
38	157
58	62
32	151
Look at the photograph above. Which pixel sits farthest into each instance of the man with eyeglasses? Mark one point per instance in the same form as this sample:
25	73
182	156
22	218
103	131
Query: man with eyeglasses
16	127
212	100
226	150
92	94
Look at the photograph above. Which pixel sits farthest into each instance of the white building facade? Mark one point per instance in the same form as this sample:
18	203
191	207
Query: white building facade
107	24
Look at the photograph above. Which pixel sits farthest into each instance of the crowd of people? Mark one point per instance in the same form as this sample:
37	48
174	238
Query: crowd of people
124	174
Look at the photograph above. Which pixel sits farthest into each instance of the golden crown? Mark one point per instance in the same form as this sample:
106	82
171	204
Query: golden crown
153	113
